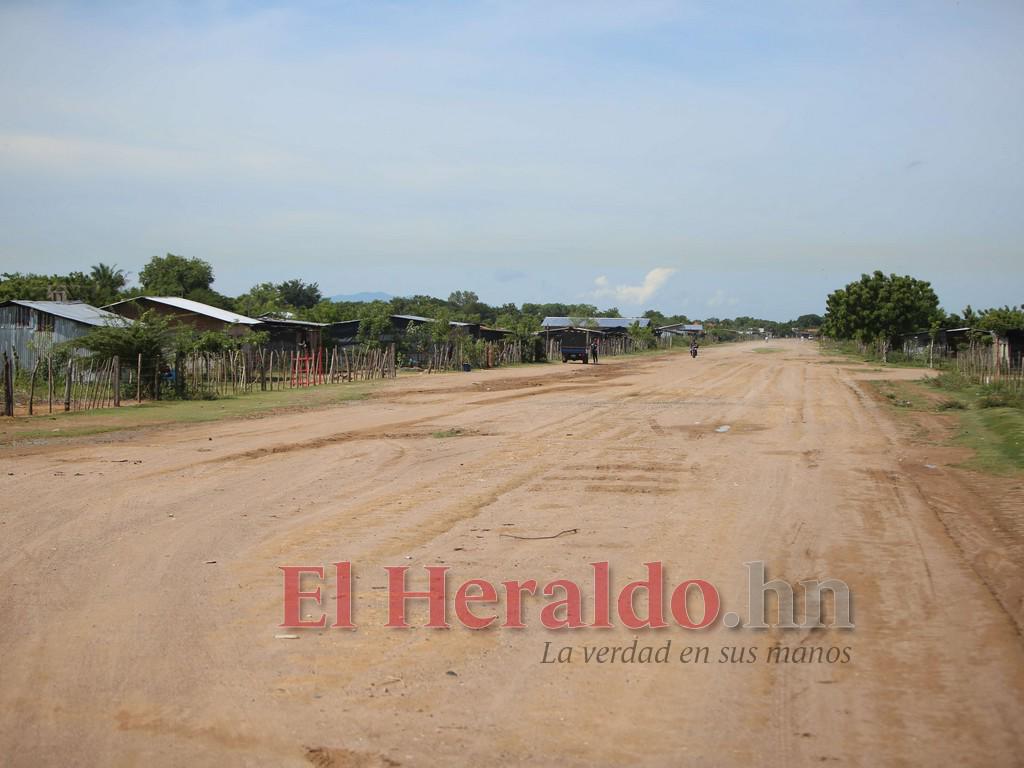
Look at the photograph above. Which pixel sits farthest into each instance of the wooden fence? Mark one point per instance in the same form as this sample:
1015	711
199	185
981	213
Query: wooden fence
74	382
609	346
980	366
64	384
452	356
247	370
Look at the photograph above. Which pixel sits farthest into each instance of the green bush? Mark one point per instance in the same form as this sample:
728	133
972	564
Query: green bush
994	396
950	380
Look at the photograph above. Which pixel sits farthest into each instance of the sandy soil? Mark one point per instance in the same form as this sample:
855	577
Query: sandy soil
123	644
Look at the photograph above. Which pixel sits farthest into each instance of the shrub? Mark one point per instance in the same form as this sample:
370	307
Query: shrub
998	397
950	380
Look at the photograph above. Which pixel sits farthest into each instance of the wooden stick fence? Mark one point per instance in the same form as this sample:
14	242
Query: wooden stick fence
979	365
609	346
74	382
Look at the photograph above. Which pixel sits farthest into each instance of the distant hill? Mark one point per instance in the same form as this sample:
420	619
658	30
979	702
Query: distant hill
365	296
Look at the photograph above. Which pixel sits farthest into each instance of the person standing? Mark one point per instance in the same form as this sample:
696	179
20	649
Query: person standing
593	351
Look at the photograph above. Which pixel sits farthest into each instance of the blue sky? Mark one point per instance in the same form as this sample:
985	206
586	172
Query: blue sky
706	158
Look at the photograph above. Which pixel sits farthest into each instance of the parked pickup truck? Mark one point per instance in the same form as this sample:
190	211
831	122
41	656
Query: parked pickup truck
575	347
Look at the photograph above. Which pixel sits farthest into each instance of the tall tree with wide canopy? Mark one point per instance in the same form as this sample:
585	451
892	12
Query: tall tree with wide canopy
878	308
173	275
298	294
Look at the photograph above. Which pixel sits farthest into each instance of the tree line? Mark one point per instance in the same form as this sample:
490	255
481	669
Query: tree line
193	278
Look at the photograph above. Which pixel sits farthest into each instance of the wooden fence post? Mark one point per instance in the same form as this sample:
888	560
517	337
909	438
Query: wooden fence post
32	388
67	384
8	387
138	380
117	381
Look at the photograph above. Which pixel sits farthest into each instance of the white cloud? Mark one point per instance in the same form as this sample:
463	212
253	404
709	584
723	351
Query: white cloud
633	294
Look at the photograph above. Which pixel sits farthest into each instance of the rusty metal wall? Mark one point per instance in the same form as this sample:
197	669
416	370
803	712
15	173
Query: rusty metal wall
25	344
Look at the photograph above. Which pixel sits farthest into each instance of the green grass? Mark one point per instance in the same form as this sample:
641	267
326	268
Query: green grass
171	412
453	432
896	358
990	420
996	435
903	394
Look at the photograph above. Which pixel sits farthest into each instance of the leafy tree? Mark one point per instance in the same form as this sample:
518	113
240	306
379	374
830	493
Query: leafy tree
522	326
642	336
298	294
878	308
374	326
441	331
150	335
808	321
1001	319
173	275
29	287
467	307
463	299
424	306
327	311
99	287
218	342
541	311
262	299
658	319
416	340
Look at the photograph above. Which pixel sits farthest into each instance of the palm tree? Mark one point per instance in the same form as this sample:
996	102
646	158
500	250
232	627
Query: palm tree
107	281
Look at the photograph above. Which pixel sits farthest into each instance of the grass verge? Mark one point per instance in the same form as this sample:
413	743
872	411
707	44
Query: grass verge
174	412
990	421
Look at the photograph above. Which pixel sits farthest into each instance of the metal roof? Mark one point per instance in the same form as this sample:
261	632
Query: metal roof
601	322
415	317
563	328
682	326
270	319
419	319
78	311
195	307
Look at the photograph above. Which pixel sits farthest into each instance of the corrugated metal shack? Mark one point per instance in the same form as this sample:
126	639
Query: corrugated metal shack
681	329
346	332
28	329
185	312
287	335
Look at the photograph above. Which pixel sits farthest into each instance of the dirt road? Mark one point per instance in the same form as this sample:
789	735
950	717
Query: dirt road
141	592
